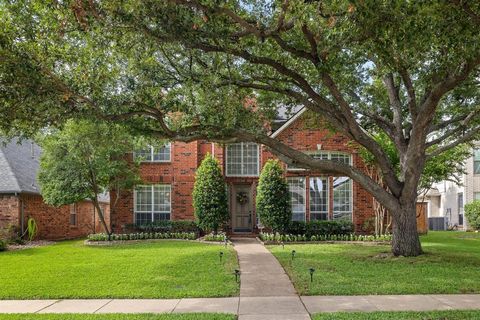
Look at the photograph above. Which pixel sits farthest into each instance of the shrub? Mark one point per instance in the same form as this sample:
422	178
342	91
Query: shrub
321	227
277	237
215	237
144	236
273	199
3	245
166	226
210	195
472	213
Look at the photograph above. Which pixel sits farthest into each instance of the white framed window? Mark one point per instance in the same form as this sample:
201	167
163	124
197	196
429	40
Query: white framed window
325	155
296	188
476	196
476	161
154	154
152	203
242	159
73	214
318	198
342	198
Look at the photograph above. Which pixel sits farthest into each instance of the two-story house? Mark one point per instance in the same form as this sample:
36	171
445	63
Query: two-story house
169	175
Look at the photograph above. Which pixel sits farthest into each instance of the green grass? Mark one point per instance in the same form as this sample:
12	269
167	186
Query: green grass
66	316
432	315
451	264
161	269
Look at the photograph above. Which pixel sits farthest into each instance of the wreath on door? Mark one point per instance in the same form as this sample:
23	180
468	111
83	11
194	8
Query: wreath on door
242	198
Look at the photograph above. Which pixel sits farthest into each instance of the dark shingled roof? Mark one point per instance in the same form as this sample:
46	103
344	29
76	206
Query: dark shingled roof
19	163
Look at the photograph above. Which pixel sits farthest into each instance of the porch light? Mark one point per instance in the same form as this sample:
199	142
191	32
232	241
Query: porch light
293	254
312	271
220	255
283	245
237	275
226	242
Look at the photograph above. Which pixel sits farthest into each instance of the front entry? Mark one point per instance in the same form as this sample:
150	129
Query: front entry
242	208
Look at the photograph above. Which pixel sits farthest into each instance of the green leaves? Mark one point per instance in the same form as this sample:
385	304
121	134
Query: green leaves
472	213
273	198
83	160
210	195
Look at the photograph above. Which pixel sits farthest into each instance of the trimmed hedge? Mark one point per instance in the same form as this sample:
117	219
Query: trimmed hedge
472	213
216	237
143	236
166	226
329	237
3	245
321	228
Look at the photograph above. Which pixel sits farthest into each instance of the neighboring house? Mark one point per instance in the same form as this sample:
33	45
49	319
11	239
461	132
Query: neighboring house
20	198
169	174
447	199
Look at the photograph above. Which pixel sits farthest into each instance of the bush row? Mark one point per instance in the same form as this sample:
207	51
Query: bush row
321	228
143	236
3	245
166	226
215	237
328	237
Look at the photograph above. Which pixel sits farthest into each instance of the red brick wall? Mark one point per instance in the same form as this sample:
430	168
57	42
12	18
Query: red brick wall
180	173
54	223
9	211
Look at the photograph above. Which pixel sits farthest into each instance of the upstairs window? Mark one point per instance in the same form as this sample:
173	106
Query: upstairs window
242	159
154	154
296	188
325	155
476	161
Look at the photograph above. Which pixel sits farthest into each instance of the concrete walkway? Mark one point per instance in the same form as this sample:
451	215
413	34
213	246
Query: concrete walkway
266	291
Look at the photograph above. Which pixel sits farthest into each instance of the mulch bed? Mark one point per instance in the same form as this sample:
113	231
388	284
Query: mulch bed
29	245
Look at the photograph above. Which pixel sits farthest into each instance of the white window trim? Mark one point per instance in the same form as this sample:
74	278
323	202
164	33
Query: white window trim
329	157
328	197
243	175
152	212
73	212
351	197
152	152
475	149
304	197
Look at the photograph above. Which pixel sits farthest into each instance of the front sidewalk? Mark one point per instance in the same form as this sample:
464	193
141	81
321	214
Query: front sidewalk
250	306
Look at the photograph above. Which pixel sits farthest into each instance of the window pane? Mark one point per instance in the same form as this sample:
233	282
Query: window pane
144	154
161	196
296	187
162	154
318	198
476	167
340	157
250	159
320	155
342	194
476	155
476	195
143	196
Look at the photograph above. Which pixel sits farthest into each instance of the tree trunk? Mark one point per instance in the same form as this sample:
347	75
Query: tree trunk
406	241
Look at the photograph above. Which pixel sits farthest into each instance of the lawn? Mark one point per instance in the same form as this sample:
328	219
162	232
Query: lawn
432	315
451	264
161	269
190	316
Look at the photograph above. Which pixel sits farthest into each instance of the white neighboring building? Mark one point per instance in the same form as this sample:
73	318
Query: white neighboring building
446	199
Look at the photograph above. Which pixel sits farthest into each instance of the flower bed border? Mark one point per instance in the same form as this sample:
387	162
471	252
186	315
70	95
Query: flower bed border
365	243
120	242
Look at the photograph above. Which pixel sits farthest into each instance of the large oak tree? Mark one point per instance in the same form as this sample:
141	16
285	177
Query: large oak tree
208	69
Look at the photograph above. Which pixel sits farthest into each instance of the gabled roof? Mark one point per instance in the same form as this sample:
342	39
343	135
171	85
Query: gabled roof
19	163
286	123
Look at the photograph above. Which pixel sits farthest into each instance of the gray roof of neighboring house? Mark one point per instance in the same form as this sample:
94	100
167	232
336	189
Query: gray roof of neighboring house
19	163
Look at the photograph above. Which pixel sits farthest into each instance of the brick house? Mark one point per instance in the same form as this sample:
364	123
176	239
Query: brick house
169	174
20	198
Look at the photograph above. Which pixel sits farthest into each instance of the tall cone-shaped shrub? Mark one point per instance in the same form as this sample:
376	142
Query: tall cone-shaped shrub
210	195
273	199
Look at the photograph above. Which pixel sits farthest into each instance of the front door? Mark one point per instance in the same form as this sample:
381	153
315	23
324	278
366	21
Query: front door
242	208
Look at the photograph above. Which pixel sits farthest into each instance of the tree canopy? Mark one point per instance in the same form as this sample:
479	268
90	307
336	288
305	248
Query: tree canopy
84	160
196	69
